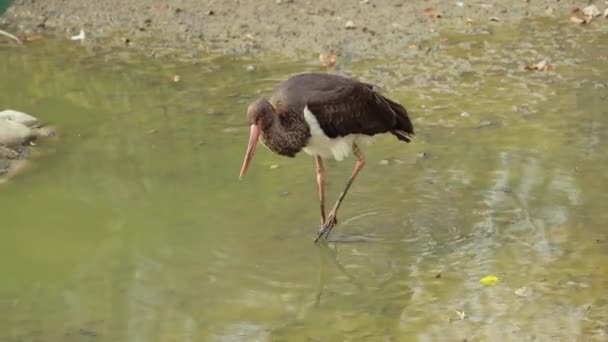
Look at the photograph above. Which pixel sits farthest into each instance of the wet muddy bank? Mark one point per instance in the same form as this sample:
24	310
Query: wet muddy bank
189	28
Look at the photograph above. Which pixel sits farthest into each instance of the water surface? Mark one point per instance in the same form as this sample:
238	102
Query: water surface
133	227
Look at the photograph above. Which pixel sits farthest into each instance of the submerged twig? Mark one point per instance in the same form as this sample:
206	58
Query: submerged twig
4	33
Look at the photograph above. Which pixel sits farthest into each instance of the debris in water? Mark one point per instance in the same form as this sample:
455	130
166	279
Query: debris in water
524	291
460	315
349	25
431	12
490	280
540	66
80	36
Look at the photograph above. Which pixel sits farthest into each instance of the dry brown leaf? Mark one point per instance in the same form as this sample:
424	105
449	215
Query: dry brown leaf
540	66
431	12
328	59
30	38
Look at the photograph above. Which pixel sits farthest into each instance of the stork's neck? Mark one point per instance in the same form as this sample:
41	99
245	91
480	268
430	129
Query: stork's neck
287	134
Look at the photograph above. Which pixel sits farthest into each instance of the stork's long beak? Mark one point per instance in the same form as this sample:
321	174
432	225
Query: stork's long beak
254	136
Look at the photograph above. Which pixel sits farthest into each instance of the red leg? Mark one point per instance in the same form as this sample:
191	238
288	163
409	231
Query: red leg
321	186
331	218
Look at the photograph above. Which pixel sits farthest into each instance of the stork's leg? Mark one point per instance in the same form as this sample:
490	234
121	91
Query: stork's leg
331	218
321	185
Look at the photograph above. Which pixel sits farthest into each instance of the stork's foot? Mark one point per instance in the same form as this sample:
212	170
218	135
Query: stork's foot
330	222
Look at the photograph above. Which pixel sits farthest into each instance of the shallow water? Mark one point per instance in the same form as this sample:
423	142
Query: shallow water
133	226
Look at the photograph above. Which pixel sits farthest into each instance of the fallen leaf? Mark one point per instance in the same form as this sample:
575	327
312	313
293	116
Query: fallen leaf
431	12
31	38
349	25
490	280
577	20
540	66
328	59
591	11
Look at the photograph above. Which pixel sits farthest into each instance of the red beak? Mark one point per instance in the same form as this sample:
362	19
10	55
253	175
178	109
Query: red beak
254	136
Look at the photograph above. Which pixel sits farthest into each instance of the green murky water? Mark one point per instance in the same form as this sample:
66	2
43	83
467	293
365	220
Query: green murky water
133	226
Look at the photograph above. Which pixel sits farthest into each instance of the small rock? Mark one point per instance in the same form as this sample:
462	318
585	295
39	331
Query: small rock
422	155
591	11
176	78
524	291
465	114
44	132
459	3
363	2
8	153
606	13
384	162
250	68
349	25
13	133
495	19
20	117
549	11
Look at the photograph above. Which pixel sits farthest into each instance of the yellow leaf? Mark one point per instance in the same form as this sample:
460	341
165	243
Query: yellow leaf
489	280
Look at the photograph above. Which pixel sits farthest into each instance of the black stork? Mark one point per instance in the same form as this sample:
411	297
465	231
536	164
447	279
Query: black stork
327	116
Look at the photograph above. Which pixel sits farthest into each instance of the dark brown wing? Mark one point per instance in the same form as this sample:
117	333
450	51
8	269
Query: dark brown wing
356	108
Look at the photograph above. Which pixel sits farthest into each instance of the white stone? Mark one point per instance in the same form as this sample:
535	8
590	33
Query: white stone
20	117
13	133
